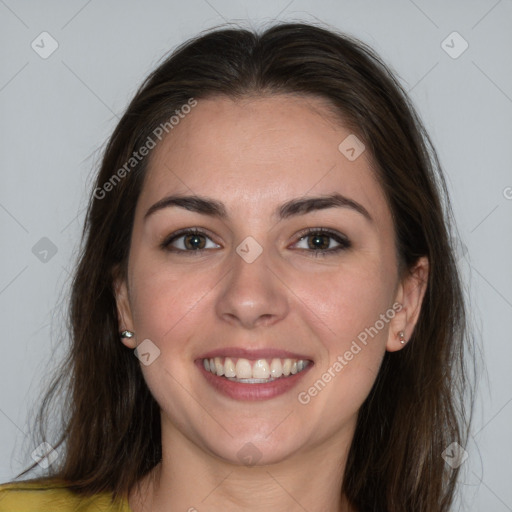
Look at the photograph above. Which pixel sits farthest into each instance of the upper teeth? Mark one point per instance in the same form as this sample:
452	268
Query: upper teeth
240	368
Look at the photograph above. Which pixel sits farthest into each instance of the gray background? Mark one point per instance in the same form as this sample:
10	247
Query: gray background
56	114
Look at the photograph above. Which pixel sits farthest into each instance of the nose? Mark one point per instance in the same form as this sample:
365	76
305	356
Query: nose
252	294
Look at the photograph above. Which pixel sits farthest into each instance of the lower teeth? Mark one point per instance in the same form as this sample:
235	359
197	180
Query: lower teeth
251	381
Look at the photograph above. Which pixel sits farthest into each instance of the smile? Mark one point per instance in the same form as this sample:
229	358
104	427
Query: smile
254	372
253	375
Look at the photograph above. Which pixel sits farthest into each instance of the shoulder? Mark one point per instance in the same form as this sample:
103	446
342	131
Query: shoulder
53	497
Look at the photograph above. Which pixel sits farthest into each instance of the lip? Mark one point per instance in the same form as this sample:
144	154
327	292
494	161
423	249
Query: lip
253	354
250	392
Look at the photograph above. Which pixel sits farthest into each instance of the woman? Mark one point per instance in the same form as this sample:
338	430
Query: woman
267	235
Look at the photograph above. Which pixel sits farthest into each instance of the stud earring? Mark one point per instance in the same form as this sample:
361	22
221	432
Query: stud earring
402	337
126	334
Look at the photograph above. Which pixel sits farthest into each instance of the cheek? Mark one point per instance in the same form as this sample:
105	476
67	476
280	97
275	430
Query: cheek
351	310
167	310
347	300
164	300
353	336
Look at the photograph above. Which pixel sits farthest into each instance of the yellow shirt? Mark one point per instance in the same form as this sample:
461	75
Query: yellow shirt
54	497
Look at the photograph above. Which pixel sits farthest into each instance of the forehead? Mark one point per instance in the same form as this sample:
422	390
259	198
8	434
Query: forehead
256	152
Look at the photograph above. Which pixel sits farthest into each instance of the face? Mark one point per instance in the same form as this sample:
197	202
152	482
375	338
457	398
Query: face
281	271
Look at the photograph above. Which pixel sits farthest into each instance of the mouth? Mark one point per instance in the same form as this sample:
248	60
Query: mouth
252	377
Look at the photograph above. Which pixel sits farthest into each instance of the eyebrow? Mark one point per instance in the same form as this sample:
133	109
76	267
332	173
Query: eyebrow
291	208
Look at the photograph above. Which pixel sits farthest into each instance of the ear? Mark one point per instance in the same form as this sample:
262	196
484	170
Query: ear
124	312
410	295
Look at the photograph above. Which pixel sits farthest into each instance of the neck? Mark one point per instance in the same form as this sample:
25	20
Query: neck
190	479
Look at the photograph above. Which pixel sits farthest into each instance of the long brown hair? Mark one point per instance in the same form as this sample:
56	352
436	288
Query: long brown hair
419	403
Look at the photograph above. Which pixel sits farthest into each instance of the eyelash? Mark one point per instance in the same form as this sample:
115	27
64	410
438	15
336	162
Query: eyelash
344	243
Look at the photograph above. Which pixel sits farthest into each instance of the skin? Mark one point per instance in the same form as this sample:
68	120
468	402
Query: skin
253	155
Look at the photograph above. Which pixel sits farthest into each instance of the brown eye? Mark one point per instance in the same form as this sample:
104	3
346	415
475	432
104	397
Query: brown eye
320	241
194	242
188	240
